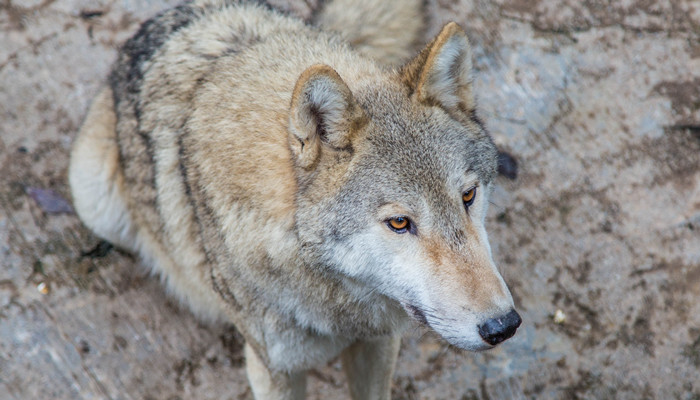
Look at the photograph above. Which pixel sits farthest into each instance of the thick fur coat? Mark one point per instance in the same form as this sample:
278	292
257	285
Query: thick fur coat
261	165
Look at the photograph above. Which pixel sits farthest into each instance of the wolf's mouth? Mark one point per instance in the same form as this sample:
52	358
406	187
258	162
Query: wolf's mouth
416	313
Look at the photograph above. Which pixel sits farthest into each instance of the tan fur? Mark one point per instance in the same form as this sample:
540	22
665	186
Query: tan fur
429	85
388	33
97	184
96	147
470	269
255	171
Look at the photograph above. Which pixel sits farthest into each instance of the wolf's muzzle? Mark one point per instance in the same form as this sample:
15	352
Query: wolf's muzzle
496	330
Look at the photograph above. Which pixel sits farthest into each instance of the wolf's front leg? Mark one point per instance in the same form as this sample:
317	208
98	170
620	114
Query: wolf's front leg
272	385
369	365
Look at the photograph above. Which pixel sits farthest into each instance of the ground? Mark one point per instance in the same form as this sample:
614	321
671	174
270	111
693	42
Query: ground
598	234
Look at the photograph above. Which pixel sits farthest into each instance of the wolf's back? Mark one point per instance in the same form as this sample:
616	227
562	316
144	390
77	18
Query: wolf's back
387	30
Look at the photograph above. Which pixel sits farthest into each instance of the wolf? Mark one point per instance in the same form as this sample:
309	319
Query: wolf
304	181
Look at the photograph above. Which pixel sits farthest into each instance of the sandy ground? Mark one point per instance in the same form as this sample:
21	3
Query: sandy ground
598	235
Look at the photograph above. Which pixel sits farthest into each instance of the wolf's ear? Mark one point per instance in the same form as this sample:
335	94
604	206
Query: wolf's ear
441	73
323	113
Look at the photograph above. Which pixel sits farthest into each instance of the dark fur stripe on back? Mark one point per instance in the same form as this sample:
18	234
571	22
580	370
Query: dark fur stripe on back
126	80
127	76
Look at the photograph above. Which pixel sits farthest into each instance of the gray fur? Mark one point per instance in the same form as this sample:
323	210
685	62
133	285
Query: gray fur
254	162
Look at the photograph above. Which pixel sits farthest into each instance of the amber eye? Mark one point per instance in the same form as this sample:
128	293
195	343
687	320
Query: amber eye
468	196
399	224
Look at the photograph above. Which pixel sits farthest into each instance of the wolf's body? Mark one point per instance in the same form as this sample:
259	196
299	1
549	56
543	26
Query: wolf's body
256	162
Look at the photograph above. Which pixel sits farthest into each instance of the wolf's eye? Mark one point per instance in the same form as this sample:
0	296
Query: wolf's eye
399	224
468	197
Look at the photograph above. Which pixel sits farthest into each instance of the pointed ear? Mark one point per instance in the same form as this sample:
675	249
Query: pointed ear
441	74
323	114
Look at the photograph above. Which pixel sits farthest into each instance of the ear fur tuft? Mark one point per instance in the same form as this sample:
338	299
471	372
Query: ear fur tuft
441	73
323	111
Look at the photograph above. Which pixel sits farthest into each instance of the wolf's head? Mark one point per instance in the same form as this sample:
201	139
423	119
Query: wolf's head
394	178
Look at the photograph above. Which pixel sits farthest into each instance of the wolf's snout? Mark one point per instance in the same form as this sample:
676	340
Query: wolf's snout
496	330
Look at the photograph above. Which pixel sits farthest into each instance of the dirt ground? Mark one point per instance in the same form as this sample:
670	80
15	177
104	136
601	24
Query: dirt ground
598	235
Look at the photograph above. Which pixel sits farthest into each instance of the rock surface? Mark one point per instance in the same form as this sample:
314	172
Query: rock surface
598	236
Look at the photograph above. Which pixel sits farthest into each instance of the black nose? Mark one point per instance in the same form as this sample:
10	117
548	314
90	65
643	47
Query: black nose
496	330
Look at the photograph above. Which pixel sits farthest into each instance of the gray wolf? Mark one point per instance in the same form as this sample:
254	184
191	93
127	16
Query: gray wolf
282	176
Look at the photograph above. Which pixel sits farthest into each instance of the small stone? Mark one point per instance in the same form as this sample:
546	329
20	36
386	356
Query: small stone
507	165
50	201
559	317
43	288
